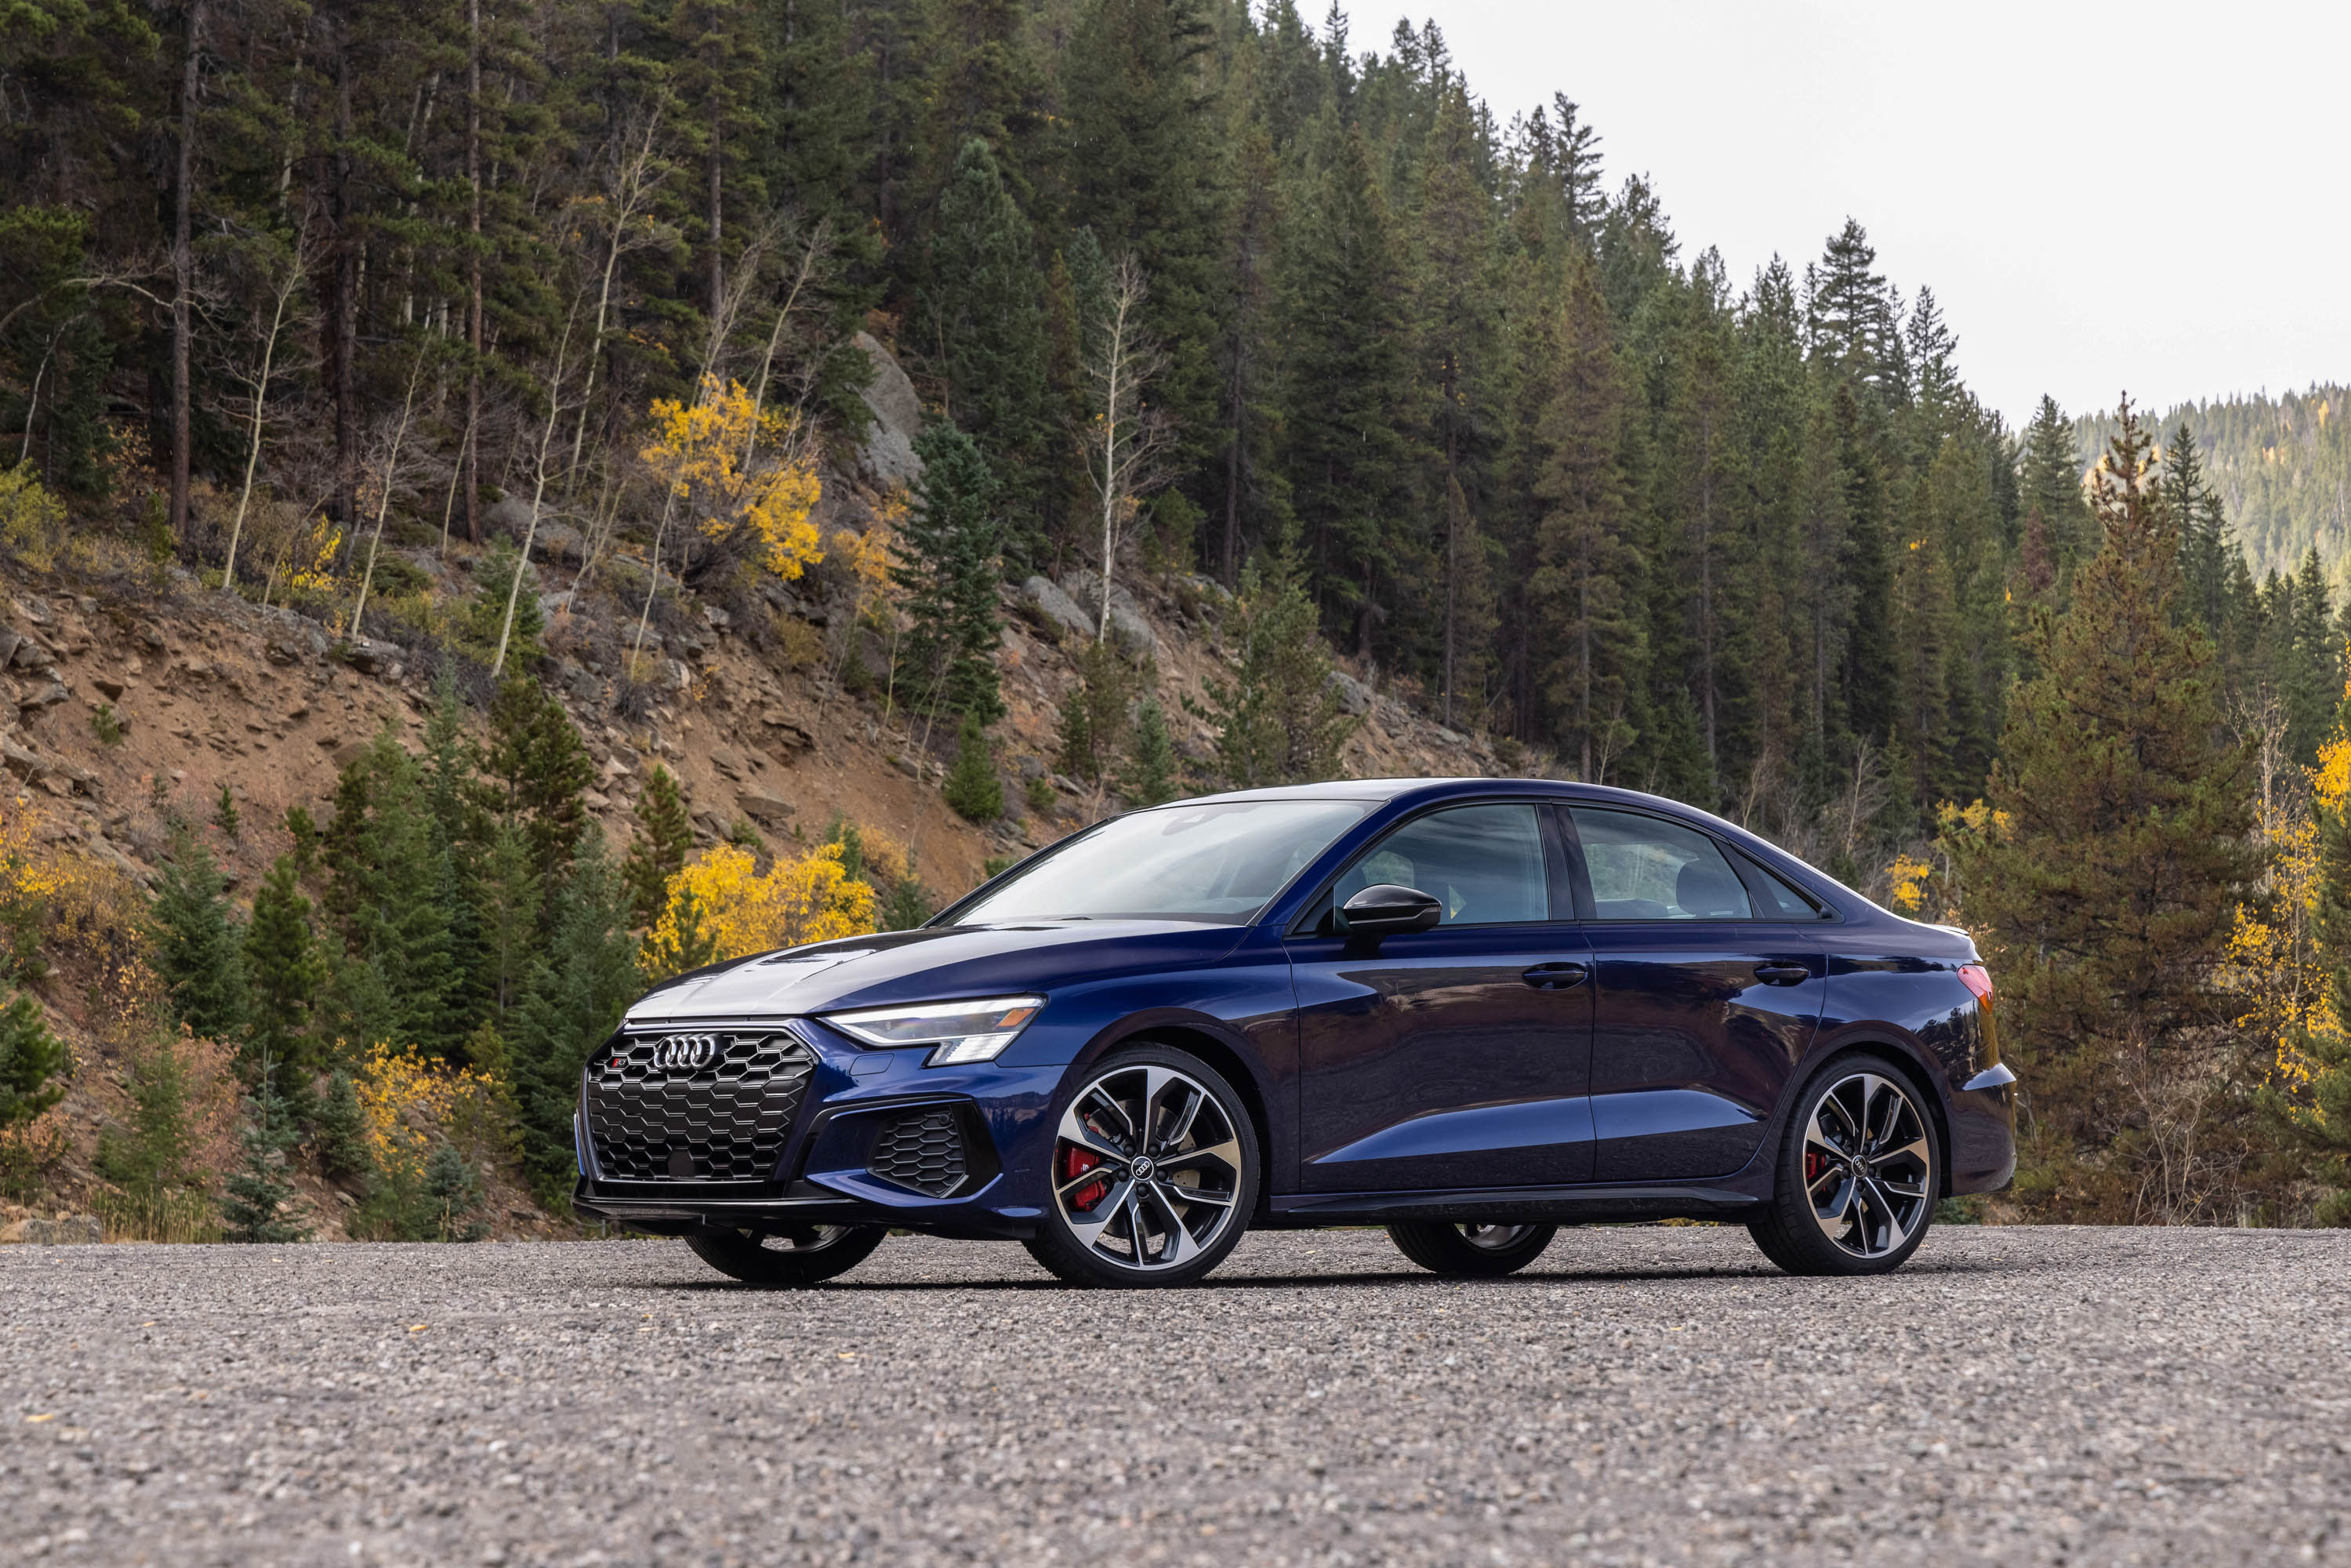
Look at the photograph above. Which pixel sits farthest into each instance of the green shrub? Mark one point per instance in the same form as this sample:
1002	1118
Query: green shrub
972	787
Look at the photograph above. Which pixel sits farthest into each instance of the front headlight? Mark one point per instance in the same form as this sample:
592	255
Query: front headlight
958	1032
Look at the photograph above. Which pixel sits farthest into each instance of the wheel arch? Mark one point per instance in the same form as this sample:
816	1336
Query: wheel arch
1907	1057
1233	1065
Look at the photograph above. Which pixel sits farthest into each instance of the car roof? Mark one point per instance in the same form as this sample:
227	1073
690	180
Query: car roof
1434	789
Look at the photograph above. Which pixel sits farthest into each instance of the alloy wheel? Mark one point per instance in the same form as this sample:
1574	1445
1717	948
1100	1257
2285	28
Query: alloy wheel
1868	1166
1146	1168
1494	1238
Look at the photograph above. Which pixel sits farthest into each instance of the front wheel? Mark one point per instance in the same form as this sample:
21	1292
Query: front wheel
1473	1252
1155	1173
801	1257
1859	1173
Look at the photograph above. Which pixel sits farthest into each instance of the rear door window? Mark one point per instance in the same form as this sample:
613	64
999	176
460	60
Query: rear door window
1646	868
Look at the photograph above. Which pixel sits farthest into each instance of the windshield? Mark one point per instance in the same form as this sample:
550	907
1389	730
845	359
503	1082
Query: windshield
1218	862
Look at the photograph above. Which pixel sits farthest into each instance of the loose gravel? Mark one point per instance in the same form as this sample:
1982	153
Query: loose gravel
1642	1395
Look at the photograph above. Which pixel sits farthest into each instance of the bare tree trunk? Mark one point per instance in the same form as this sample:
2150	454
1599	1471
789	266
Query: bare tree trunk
383	502
286	285
634	187
813	252
717	229
343	323
183	267
469	459
537	494
1126	438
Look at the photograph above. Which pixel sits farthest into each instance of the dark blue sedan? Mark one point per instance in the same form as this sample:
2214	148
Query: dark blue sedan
1472	1010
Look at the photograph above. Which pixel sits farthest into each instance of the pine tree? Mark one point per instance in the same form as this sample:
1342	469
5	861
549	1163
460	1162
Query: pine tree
1346	383
988	329
284	967
665	838
1866	564
535	771
1854	316
197	941
1094	720
2119	848
949	569
2309	661
33	1061
255	1194
1454	241
2049	481
1583	587
392	891
225	815
1150	775
973	786
579	984
340	1133
452	1197
483	617
2206	544
2310	1106
508	894
1142	157
1280	720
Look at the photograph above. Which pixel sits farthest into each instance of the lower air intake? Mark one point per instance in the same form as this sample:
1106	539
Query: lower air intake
922	1151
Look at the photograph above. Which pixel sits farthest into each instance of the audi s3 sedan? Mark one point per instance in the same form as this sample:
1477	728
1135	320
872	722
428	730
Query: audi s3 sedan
1472	1010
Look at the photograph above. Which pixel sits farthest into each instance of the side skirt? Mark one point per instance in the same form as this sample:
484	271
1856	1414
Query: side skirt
1523	1206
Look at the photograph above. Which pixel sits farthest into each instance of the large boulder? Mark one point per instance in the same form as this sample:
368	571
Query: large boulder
1128	627
888	455
510	515
1055	612
1353	696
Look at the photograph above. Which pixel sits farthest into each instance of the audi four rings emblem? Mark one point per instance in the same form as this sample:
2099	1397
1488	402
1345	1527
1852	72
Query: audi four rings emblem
685	1052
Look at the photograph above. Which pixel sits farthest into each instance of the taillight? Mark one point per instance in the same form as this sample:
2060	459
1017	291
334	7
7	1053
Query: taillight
1978	980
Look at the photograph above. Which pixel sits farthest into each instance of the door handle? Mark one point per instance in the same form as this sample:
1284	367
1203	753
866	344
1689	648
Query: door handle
1555	976
1783	974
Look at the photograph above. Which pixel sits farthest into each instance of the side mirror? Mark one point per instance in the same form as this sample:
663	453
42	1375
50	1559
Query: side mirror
1387	910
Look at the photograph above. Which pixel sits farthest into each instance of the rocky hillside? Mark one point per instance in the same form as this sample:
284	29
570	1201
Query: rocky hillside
130	702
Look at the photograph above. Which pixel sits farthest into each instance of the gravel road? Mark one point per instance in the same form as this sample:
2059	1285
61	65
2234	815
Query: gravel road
1643	1395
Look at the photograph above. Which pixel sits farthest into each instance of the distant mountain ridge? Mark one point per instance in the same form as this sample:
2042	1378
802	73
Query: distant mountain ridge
2281	465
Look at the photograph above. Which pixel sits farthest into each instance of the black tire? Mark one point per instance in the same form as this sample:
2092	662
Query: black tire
1860	1168
797	1258
1471	1252
1127	1116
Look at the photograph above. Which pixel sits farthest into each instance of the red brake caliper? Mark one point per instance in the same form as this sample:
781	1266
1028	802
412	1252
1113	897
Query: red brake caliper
1075	1163
1817	1165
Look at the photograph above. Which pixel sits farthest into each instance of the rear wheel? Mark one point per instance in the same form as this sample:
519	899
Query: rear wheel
1859	1172
801	1257
1155	1173
1477	1252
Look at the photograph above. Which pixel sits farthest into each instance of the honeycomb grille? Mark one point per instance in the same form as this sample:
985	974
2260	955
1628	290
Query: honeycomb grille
922	1151
723	1120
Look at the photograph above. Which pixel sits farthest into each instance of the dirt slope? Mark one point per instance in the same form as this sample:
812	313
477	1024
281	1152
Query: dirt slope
124	704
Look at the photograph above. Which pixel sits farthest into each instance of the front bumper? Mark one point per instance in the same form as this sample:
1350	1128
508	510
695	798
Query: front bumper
875	1138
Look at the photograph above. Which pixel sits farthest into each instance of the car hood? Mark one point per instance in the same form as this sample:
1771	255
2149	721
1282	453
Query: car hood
934	963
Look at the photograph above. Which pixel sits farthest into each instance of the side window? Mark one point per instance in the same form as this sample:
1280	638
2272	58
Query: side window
1644	868
1781	902
1483	863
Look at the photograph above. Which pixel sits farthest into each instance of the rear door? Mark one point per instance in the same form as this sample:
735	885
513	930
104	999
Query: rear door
1456	1056
1706	993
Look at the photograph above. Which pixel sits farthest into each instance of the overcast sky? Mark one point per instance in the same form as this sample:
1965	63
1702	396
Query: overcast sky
2152	197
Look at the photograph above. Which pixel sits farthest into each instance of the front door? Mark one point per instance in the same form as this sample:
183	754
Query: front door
1456	1056
1706	993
